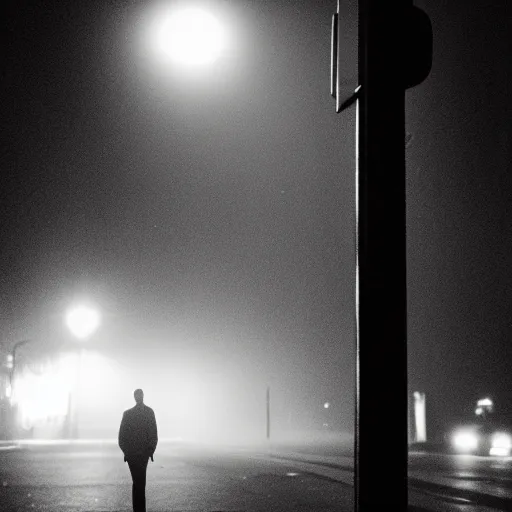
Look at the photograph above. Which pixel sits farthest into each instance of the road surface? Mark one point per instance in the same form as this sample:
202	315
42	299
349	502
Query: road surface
188	477
486	481
182	478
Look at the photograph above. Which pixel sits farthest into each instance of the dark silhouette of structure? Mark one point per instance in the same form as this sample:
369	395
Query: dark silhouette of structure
138	438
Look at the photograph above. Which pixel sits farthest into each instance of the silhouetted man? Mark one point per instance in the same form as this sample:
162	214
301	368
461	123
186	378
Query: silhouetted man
138	438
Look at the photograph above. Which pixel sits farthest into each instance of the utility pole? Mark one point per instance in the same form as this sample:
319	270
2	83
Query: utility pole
394	53
381	312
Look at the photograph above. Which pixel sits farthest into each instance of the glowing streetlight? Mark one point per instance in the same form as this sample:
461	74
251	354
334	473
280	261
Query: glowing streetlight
190	36
485	402
484	407
82	321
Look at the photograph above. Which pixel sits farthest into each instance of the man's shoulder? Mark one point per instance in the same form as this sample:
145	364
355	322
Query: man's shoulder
148	410
137	409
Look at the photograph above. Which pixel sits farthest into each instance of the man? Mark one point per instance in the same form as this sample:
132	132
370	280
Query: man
138	438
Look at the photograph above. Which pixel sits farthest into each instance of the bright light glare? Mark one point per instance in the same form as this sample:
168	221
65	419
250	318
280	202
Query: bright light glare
502	440
485	402
43	395
82	321
499	452
191	37
90	384
465	441
501	445
327	405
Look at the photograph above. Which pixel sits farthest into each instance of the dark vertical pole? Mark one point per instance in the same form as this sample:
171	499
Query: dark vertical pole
268	412
75	431
13	408
381	371
68	425
13	367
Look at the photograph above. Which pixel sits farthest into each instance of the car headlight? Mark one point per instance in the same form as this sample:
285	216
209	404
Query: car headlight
465	441
501	444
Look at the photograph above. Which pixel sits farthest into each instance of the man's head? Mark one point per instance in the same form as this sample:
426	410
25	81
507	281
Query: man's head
139	396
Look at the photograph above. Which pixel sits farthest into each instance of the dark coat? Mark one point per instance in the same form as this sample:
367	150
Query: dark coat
138	434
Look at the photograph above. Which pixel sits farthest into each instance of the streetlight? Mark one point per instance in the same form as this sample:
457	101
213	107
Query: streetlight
394	54
190	36
484	407
82	321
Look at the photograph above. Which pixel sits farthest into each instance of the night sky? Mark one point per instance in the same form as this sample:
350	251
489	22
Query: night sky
212	213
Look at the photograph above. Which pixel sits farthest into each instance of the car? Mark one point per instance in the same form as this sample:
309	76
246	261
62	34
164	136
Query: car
482	439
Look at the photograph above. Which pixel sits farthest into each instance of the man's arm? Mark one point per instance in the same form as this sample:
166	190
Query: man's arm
122	435
153	434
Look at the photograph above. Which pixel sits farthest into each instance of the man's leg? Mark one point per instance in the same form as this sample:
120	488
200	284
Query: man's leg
138	469
140	490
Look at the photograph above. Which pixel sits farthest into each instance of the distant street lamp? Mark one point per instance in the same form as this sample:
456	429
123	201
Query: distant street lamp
484	407
82	321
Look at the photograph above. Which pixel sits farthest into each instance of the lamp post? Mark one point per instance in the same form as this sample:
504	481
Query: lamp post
394	54
82	321
13	362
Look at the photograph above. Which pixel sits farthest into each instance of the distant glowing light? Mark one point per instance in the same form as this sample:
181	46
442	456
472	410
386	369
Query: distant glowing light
191	36
499	452
485	402
502	441
292	474
327	405
465	441
479	411
44	395
420	417
83	321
